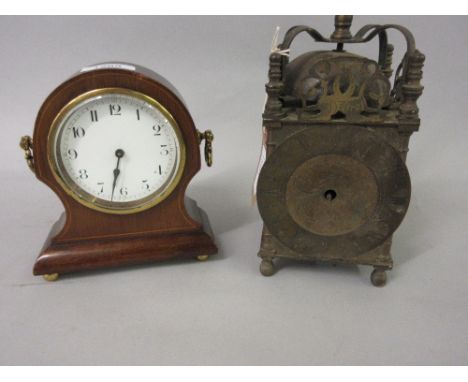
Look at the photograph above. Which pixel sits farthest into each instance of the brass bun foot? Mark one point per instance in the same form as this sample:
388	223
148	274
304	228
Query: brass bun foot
51	277
267	268
378	277
202	257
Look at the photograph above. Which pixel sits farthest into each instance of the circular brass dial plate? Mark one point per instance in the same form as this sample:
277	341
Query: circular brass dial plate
331	194
334	190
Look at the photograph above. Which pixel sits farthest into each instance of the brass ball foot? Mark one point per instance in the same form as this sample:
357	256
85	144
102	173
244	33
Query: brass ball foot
378	277
51	277
267	268
202	257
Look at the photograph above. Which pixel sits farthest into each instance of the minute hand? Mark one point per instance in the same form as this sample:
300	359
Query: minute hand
119	153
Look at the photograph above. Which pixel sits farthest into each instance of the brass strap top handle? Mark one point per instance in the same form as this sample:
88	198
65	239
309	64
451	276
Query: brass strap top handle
342	35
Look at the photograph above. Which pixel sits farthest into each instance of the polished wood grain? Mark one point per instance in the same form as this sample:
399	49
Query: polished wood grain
87	239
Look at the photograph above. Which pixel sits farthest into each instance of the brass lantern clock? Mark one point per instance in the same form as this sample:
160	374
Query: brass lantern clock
334	186
117	144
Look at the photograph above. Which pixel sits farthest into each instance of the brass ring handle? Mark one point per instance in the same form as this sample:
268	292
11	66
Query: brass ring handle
26	143
208	137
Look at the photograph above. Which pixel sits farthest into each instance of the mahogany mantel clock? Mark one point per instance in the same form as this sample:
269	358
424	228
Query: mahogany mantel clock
335	186
118	146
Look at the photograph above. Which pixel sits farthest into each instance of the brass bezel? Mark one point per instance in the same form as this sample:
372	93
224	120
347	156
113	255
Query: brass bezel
90	200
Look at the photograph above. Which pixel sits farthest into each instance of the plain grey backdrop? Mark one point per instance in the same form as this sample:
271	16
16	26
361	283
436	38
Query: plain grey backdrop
223	311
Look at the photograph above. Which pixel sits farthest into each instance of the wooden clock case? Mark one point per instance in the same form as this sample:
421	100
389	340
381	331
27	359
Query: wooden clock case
83	238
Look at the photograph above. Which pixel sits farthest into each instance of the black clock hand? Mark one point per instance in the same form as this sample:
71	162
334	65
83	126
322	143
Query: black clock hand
119	153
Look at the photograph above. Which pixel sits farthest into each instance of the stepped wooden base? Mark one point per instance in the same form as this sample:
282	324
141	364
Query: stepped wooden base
74	256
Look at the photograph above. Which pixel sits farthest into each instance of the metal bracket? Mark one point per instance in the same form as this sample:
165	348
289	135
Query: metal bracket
26	143
208	137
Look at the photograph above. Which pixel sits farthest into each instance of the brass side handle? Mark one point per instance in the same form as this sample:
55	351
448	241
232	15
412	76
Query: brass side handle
26	144
208	137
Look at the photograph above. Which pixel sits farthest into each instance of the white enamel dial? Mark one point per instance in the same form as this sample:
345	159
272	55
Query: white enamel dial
117	150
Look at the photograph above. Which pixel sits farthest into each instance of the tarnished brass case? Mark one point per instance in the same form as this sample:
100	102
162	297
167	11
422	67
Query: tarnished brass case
335	185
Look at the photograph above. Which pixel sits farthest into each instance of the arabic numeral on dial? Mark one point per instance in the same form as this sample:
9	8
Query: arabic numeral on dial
138	114
164	150
78	132
72	154
157	130
145	185
94	115
83	174
101	189
115	109
123	191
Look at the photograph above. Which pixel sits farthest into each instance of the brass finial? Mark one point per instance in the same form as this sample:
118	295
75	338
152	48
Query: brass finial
342	26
